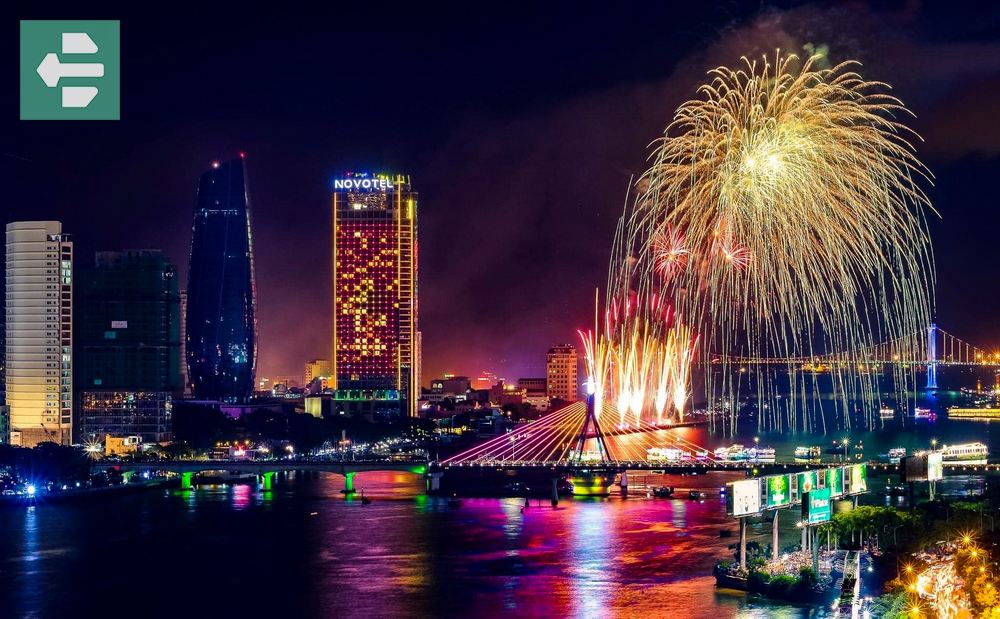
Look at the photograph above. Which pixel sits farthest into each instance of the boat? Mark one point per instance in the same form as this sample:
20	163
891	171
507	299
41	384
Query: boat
895	490
664	454
733	453
807	453
923	413
663	492
966	453
956	412
760	454
886	412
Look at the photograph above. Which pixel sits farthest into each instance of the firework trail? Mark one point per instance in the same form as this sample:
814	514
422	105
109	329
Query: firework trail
782	218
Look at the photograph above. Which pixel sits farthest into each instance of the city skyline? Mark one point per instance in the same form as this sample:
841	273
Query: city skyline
546	309
520	187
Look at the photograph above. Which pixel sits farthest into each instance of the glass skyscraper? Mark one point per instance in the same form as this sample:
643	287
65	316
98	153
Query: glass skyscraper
221	326
376	356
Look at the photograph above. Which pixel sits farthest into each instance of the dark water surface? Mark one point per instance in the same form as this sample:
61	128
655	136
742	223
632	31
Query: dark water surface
302	550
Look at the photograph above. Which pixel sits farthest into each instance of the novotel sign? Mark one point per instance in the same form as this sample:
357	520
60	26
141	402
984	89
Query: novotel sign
362	184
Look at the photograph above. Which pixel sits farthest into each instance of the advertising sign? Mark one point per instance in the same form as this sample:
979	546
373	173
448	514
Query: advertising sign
915	467
858	478
804	482
779	491
835	481
935	466
745	497
816	506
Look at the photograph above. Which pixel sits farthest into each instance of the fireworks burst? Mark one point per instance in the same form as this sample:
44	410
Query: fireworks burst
641	364
782	216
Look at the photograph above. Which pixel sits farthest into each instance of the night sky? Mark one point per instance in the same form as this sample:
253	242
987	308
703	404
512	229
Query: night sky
520	128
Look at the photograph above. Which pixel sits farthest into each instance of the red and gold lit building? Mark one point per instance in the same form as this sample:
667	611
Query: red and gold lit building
376	344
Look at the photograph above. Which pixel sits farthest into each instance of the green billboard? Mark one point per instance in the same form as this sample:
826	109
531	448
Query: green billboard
816	506
857	479
835	481
804	482
779	491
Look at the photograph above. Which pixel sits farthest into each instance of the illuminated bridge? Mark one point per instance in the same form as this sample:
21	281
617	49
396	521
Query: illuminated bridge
932	349
266	469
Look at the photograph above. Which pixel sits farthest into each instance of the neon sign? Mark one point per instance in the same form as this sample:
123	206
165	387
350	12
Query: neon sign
362	184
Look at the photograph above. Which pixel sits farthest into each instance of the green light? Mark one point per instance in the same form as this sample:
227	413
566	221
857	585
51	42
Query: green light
268	480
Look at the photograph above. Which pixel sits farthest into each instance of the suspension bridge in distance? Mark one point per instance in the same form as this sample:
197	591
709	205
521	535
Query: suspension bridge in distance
933	349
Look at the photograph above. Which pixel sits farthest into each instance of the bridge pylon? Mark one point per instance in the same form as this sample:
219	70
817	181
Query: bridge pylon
932	357
591	418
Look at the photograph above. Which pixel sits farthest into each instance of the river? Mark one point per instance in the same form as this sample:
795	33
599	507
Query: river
303	550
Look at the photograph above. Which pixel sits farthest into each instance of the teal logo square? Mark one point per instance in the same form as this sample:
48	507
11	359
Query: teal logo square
70	70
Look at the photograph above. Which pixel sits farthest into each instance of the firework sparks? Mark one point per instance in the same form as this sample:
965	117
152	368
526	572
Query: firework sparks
783	217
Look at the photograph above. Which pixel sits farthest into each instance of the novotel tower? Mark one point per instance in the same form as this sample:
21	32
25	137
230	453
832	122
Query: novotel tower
376	343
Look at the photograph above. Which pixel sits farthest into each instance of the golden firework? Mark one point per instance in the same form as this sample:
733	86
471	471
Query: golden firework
783	218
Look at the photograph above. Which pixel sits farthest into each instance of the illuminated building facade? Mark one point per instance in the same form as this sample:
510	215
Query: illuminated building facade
316	368
39	330
221	325
128	342
375	337
535	391
561	373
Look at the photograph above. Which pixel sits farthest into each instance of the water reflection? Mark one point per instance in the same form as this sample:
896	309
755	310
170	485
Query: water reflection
309	552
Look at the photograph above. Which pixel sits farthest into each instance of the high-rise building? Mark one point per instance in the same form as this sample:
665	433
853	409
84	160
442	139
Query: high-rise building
375	337
221	344
128	346
39	329
182	361
316	368
560	375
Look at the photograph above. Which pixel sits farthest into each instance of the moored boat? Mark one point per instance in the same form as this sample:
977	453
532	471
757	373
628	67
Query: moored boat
923	413
807	453
966	453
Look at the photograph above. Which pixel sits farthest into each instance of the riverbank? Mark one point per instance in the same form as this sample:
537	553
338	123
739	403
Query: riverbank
85	494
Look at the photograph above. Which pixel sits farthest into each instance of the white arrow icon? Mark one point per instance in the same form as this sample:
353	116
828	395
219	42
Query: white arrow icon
51	70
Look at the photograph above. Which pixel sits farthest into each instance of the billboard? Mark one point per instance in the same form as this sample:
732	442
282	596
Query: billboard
935	466
804	482
779	491
744	497
835	481
816	506
857	478
914	468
